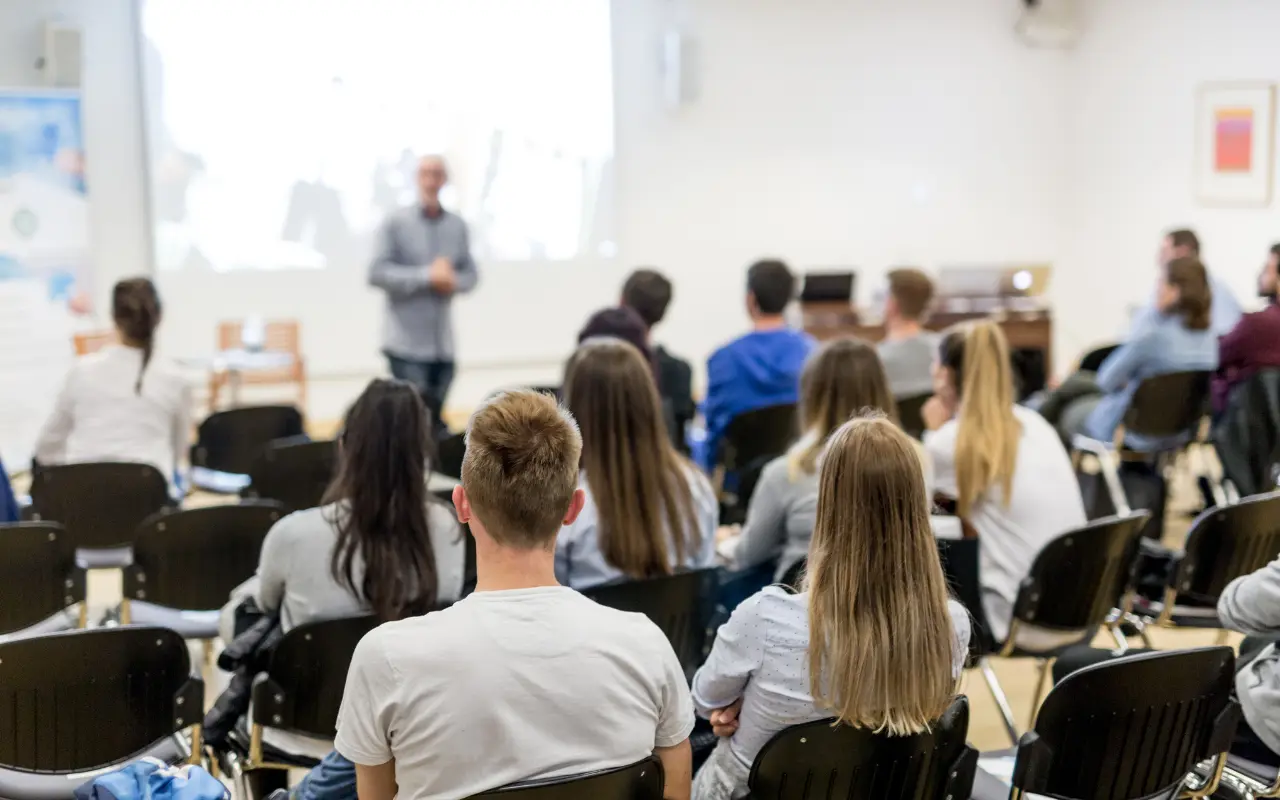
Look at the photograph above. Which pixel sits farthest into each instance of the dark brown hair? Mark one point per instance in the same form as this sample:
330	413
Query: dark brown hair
1195	298
381	489
648	293
637	479
771	283
912	290
135	309
1185	237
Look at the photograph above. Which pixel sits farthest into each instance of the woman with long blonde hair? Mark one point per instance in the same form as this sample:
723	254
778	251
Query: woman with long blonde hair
649	511
1002	464
872	640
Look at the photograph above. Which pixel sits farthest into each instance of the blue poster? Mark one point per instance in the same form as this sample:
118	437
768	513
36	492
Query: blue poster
44	215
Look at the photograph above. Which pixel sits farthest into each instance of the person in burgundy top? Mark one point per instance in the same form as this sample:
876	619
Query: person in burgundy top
1254	343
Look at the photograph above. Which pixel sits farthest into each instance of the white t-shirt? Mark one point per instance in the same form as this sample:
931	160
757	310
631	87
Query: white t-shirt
1045	504
509	686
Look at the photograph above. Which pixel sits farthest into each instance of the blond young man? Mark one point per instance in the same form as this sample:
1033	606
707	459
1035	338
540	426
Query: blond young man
524	678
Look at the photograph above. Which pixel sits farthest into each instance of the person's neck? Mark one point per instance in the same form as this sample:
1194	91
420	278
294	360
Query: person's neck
503	568
897	329
768	322
432	207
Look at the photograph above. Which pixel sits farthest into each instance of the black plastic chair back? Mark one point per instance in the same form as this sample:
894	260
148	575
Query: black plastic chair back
452	449
230	441
754	437
817	760
960	560
99	503
192	559
38	574
794	575
642	780
1226	542
1132	727
1092	361
306	676
911	413
72	702
678	604
1168	405
1079	577
294	473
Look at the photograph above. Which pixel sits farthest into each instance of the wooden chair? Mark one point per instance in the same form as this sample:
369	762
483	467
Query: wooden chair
280	336
92	341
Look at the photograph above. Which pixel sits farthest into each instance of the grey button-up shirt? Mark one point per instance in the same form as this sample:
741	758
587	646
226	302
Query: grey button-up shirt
419	322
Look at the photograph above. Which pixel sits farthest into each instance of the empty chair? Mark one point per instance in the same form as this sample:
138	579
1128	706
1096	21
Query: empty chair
642	780
231	441
819	760
1132	728
909	413
751	440
186	562
678	604
100	504
449	458
87	700
41	588
293	473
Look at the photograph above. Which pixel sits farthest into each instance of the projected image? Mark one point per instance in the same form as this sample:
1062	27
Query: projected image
281	134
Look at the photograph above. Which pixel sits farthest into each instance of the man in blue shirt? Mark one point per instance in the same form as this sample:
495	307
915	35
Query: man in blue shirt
761	368
1225	311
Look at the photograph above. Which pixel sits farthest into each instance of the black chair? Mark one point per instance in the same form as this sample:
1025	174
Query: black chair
449	458
642	780
1246	435
819	760
185	564
39	580
1131	728
678	604
910	413
1164	406
230	441
751	440
85	700
1092	360
100	504
294	473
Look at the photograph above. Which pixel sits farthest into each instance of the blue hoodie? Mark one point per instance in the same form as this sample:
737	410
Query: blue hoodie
757	370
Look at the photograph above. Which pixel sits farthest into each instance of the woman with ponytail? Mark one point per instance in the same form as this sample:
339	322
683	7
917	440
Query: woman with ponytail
121	403
1003	466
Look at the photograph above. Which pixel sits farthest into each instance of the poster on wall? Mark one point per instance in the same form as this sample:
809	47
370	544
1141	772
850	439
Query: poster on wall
1235	135
44	257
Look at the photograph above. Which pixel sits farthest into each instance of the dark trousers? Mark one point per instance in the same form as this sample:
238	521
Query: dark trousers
431	378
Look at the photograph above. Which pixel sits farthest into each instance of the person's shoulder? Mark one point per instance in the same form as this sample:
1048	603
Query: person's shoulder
304	524
727	353
1033	424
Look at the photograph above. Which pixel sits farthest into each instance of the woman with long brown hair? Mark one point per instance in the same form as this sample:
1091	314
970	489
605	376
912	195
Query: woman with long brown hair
872	639
648	511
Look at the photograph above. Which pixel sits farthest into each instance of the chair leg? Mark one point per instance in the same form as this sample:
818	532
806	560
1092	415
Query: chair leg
1111	474
1046	669
1002	702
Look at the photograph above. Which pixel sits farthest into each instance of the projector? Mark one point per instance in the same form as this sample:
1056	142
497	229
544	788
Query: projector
1049	23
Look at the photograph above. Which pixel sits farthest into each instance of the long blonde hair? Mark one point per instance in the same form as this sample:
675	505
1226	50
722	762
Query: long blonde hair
839	379
988	435
879	629
637	479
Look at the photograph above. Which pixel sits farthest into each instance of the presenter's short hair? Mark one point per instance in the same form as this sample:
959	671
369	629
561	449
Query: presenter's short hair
521	467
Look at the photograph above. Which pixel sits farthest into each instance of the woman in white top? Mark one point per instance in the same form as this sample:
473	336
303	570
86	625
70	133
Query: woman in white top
1005	467
120	404
648	510
872	639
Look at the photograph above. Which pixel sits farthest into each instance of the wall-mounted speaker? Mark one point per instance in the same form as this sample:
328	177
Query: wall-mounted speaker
61	55
1049	23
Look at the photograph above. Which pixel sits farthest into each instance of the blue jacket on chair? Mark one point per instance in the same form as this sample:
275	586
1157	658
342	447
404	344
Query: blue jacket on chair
9	511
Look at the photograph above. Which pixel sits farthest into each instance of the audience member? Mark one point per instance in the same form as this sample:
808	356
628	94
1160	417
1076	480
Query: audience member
619	322
120	404
1225	311
907	349
840	379
648	293
1254	343
9	511
1251	605
1179	339
647	510
1003	465
761	368
839	647
523	678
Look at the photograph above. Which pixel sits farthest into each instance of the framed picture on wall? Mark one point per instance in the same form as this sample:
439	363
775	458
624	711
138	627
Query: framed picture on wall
1235	137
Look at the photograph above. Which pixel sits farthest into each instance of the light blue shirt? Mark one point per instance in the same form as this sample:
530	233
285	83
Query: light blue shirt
1162	346
1223	314
580	562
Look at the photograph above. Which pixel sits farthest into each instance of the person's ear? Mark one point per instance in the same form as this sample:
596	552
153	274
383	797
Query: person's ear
575	506
461	504
753	307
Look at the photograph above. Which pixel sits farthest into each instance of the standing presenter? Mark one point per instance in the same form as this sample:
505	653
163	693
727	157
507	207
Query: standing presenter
423	259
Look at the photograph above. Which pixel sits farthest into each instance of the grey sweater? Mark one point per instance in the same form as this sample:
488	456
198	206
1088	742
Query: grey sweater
419	322
1251	605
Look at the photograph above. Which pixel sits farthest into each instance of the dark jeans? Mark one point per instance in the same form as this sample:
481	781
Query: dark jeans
334	778
431	378
1068	406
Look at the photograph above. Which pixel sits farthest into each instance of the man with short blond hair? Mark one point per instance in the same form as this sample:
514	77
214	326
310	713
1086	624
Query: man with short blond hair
524	678
907	350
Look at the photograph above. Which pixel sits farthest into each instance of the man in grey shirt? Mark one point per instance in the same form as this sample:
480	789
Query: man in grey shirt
423	259
907	350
